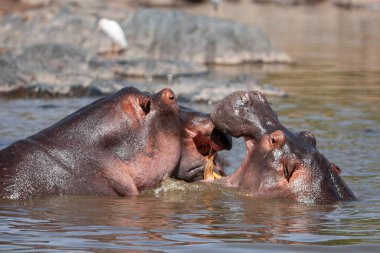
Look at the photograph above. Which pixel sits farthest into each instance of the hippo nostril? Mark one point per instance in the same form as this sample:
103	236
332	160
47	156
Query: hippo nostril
289	168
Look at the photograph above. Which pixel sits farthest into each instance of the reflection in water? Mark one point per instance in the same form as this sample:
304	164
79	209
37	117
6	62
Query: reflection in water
170	218
334	92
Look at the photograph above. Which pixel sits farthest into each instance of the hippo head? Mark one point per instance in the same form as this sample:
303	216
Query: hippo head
278	163
163	135
199	139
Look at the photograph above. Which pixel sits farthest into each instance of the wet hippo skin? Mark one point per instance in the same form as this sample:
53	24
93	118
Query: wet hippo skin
117	146
278	162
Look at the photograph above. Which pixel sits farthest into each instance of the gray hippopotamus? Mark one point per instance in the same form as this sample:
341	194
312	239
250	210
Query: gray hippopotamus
117	146
278	162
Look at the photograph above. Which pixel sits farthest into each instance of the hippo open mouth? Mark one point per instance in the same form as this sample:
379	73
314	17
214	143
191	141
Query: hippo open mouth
216	142
200	143
208	147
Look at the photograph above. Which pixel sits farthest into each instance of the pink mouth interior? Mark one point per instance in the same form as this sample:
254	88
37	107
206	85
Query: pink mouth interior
203	144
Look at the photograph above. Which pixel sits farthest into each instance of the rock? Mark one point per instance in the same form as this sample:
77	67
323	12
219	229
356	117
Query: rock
36	3
149	68
190	89
211	91
348	4
288	2
54	70
10	74
164	47
153	34
45	70
161	3
176	35
51	57
167	3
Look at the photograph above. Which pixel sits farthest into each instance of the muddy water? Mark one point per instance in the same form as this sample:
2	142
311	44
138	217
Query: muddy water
334	91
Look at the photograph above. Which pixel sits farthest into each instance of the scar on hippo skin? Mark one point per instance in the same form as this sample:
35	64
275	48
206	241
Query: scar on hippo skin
116	146
278	162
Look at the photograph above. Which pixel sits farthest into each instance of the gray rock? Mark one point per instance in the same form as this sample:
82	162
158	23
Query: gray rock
152	34
162	45
45	70
51	57
349	4
211	91
36	3
53	70
10	74
176	35
148	68
289	2
161	3
190	89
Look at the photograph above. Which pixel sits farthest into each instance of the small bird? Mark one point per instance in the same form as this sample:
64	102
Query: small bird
114	31
215	4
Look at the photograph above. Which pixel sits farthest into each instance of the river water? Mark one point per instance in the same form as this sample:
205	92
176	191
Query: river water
334	91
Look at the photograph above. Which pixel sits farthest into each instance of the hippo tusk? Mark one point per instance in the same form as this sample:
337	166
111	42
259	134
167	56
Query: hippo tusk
216	175
209	168
209	173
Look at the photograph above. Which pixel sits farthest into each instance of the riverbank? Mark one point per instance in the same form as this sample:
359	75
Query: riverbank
55	51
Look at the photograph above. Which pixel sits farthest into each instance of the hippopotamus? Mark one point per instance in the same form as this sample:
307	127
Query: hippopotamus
118	145
278	163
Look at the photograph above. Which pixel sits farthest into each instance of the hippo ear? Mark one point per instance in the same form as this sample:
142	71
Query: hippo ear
308	137
145	104
335	168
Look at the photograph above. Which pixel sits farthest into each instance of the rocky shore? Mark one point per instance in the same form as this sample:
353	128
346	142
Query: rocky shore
56	51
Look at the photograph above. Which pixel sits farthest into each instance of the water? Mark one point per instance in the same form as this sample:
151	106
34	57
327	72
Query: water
334	92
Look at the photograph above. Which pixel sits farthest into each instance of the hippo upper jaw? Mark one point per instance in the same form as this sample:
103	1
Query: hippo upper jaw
245	113
212	143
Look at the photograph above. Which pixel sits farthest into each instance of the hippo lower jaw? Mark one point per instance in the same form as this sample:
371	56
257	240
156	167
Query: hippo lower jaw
234	180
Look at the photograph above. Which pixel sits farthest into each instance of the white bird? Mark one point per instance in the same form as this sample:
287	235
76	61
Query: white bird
114	31
215	4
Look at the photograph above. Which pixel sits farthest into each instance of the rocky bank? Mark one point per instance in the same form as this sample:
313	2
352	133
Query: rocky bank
56	50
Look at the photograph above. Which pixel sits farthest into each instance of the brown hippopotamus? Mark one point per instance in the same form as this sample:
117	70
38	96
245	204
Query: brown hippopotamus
117	146
278	163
